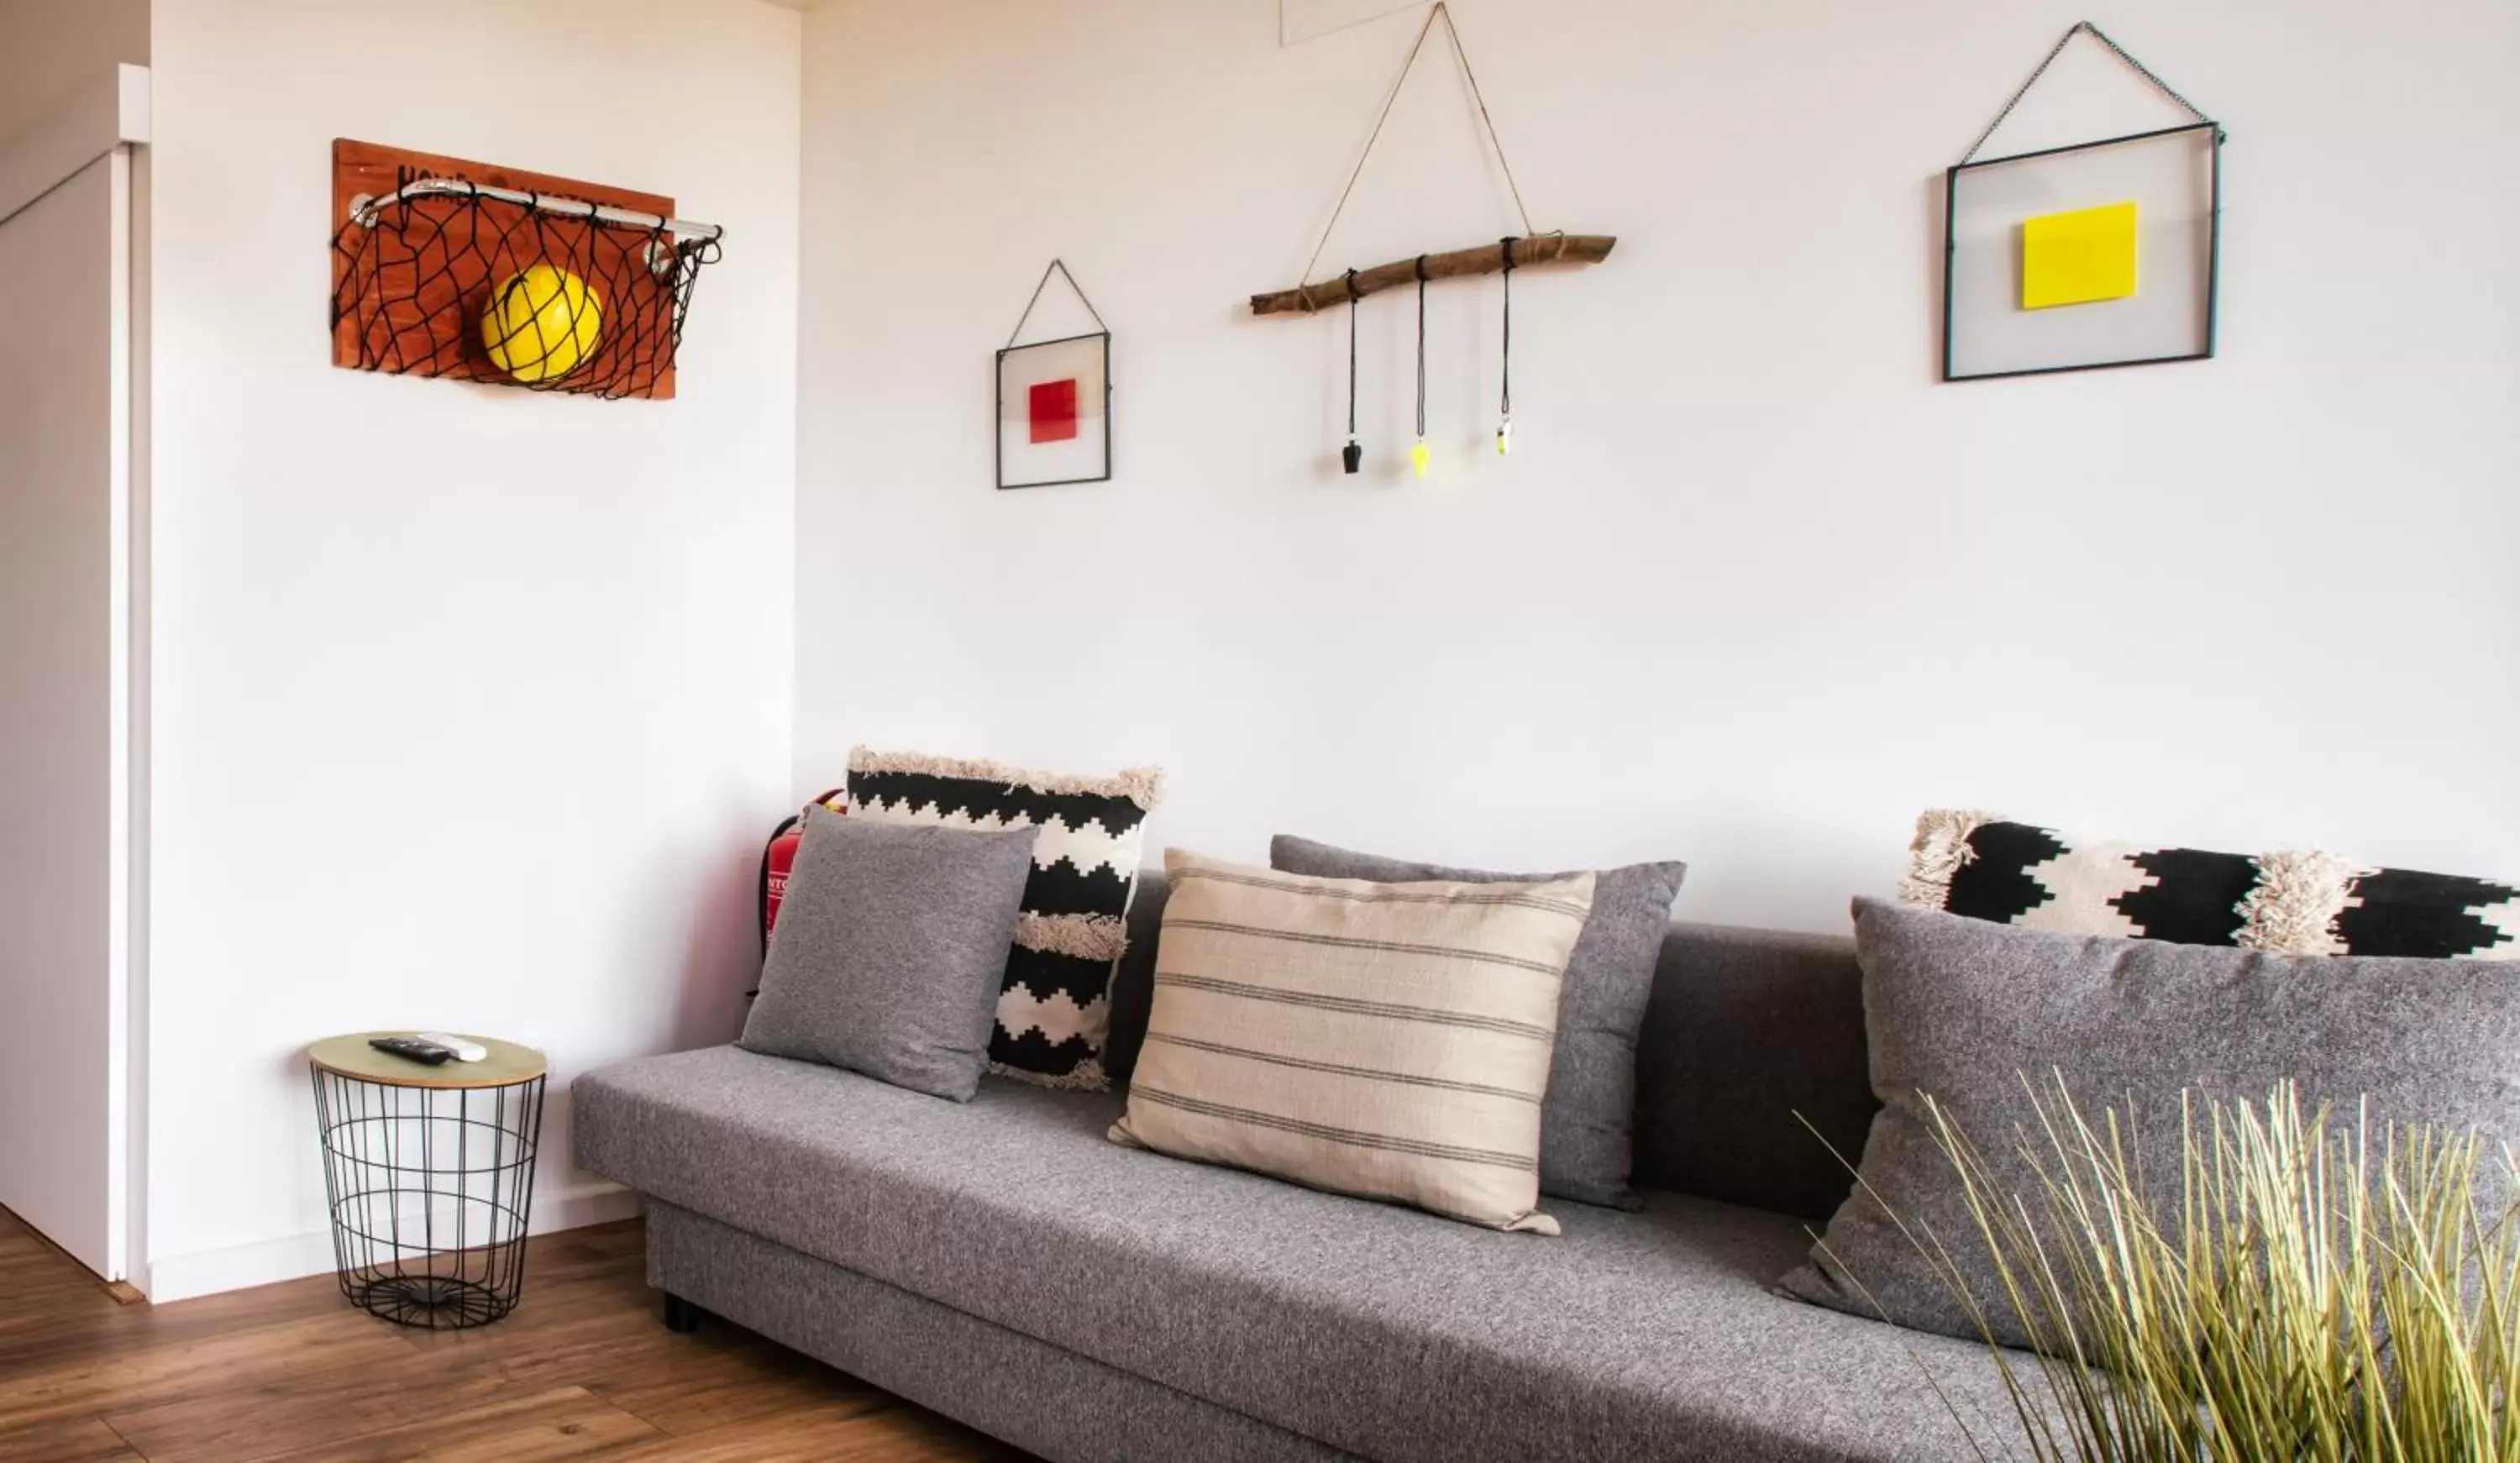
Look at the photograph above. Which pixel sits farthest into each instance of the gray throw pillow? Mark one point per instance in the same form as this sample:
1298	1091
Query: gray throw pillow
1588	1119
890	948
1962	1008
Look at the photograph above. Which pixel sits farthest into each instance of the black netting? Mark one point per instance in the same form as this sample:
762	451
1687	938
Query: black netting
536	295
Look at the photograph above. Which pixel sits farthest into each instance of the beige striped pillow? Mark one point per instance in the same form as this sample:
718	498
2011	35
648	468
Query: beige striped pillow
1384	1039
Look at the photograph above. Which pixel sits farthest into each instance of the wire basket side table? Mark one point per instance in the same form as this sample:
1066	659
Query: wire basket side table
428	1175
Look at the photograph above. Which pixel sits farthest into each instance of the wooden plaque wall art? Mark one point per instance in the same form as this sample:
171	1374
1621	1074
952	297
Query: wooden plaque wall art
447	267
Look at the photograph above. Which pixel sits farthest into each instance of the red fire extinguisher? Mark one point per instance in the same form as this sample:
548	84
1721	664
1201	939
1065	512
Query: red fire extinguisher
779	856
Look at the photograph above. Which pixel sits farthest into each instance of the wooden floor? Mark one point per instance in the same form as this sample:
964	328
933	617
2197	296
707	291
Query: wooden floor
582	1369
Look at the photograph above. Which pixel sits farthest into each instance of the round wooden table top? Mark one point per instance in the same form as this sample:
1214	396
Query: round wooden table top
351	1056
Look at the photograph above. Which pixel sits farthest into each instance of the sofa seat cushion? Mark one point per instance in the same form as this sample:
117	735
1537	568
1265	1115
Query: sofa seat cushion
1369	1327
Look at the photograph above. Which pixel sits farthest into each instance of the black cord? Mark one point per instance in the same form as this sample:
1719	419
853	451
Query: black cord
1505	406
1421	347
1351	355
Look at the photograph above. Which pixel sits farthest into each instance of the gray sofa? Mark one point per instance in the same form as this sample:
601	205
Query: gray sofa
1004	1263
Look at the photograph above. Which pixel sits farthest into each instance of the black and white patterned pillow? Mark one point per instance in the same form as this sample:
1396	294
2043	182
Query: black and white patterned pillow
1055	1008
2294	902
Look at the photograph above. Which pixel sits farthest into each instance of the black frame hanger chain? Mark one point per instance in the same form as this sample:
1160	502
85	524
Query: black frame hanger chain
1060	268
2079	28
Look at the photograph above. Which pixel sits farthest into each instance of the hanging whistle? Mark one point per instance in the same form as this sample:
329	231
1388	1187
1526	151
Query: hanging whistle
1352	456
1420	457
1505	436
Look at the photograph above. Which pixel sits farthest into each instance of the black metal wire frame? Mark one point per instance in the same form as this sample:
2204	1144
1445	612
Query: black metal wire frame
429	1191
998	389
2213	249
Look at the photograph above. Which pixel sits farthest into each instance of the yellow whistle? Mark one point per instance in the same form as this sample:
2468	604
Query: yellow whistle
1420	457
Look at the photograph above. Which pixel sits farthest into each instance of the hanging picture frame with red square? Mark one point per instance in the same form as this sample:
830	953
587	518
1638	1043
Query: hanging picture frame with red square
1054	418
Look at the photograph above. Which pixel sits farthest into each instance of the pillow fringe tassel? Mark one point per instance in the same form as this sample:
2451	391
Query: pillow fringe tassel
1085	1077
2292	910
1142	785
1940	850
1086	937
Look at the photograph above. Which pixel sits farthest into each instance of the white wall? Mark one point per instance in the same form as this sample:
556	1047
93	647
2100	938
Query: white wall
1754	588
50	48
471	704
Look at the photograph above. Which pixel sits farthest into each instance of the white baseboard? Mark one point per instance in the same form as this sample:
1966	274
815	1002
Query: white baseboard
180	1278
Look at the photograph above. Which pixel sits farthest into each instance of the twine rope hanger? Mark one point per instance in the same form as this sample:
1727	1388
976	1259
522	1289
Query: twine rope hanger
2079	28
1532	247
1060	269
1460	54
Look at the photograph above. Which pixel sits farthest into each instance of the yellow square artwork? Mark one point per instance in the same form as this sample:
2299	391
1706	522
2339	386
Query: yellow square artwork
2078	257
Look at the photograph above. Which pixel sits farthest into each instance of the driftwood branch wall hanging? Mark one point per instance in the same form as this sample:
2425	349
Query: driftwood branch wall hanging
1505	256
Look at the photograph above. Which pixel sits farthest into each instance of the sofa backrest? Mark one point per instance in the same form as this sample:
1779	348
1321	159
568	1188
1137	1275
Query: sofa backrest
1746	1028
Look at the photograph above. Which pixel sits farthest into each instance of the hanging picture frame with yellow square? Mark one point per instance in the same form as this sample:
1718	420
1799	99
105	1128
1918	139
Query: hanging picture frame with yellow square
2098	253
2082	258
2104	254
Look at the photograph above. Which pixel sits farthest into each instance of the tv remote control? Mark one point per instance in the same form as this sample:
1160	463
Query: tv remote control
412	1048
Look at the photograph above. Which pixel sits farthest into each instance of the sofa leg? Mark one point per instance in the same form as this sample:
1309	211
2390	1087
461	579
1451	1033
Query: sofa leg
680	1314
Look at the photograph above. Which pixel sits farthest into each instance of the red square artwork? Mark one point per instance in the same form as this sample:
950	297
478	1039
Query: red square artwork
1053	411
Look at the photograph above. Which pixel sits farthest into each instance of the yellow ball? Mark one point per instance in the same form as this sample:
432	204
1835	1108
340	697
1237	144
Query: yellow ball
541	323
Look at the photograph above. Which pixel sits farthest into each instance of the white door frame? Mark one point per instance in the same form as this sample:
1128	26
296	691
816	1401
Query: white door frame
107	121
112	112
